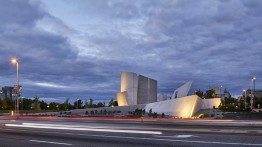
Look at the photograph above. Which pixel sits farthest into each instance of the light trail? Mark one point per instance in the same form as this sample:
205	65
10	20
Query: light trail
78	128
41	141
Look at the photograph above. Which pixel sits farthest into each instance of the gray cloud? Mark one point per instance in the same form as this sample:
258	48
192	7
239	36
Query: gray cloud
211	42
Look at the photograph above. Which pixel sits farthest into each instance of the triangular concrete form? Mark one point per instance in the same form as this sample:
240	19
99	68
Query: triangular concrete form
182	91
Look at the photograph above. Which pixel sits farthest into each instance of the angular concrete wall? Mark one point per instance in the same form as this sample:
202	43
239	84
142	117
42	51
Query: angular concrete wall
182	91
121	98
129	84
184	107
147	90
138	89
209	103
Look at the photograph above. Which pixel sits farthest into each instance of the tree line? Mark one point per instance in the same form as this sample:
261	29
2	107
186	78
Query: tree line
37	104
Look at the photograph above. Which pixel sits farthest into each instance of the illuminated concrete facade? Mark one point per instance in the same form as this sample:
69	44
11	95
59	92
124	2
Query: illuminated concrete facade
121	98
136	89
184	107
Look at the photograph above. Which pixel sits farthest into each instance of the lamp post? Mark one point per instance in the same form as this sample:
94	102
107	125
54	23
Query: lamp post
15	61
245	98
220	91
252	91
220	95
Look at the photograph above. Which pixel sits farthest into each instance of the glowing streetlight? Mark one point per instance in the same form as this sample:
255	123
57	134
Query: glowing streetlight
15	61
221	91
253	80
220	95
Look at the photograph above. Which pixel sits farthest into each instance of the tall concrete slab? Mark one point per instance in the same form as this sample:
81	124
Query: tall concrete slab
138	89
182	91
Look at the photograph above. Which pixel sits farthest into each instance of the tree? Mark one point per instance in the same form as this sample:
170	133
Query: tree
199	93
36	104
7	104
100	104
27	104
86	104
112	103
43	105
209	94
53	106
257	102
155	115
66	105
150	113
230	101
1	103
115	103
90	104
78	104
248	100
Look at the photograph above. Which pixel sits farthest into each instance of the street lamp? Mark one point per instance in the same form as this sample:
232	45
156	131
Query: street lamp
253	80
15	61
245	98
221	91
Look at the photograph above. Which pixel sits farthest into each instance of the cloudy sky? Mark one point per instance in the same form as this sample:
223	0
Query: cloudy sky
78	48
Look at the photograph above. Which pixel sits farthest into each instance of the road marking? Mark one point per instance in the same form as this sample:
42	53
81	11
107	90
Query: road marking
41	141
72	127
152	139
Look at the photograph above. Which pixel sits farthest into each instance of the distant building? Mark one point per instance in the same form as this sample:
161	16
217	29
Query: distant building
257	93
226	94
9	92
136	89
217	90
219	94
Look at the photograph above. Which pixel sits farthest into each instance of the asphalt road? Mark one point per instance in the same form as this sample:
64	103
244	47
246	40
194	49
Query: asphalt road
127	133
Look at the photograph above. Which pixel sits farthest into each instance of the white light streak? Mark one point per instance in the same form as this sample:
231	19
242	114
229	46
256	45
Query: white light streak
79	128
178	136
50	142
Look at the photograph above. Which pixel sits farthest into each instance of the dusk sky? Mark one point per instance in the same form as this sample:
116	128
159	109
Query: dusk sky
78	48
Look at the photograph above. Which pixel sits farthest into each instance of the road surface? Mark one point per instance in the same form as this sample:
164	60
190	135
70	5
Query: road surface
128	133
